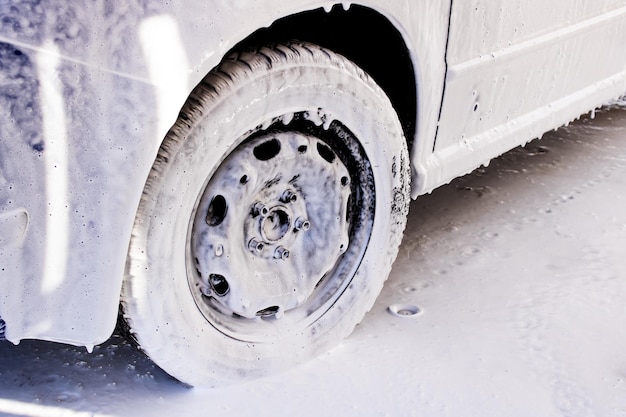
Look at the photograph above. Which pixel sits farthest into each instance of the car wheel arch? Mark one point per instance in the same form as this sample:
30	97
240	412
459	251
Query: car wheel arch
348	33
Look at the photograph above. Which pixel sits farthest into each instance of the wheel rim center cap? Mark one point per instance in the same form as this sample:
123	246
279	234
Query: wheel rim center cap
276	224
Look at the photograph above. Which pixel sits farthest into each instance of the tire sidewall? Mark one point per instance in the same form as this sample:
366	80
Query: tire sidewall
181	330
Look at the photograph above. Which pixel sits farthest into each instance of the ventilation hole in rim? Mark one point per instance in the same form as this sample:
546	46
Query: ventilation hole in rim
325	152
197	263
268	311
320	281
217	210
267	150
219	284
348	208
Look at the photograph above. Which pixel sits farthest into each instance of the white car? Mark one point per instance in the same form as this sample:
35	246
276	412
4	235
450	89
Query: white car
240	171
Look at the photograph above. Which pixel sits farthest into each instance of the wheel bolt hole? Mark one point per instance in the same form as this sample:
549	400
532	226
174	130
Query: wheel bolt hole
217	211
345	181
244	179
302	148
219	284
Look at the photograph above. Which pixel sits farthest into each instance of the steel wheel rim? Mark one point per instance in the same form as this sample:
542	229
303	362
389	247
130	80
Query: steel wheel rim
242	229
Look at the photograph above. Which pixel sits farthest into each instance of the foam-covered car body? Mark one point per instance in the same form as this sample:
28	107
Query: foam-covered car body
88	91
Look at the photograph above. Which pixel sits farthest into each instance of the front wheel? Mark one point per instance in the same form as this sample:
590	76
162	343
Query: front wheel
270	219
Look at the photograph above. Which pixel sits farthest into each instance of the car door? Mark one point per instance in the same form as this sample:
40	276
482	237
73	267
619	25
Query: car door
517	68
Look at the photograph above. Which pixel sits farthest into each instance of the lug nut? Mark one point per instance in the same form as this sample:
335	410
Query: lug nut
255	245
302	224
281	253
219	250
259	208
288	197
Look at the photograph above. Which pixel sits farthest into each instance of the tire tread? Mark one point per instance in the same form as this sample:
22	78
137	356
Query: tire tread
238	68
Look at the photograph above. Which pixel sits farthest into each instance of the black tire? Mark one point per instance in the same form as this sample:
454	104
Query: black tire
208	300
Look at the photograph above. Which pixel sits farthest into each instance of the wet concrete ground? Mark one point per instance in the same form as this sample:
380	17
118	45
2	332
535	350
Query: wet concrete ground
517	274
